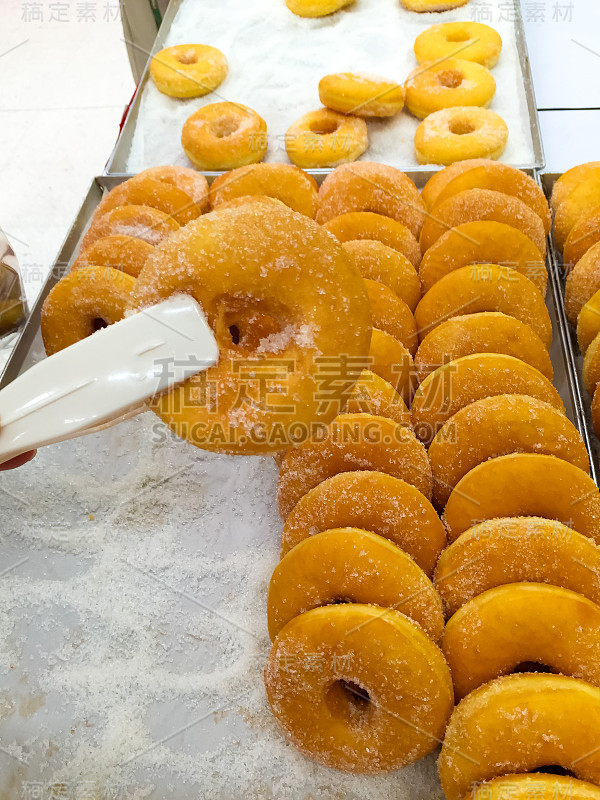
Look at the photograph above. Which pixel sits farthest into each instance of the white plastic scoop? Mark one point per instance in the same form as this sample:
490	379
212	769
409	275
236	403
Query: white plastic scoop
106	377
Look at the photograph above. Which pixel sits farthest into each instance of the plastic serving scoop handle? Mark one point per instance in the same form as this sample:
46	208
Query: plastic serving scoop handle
105	377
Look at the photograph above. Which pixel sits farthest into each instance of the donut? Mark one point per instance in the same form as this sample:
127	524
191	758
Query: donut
591	366
361	95
484	287
316	8
349	565
455	134
353	442
423	6
588	322
509	550
522	623
582	283
182	199
375	695
280	332
509	486
245	199
124	253
498	426
378	262
284	182
486	332
391	314
375	227
325	138
486	174
459	383
596	411
373	395
482	204
373	501
452	82
482	242
140	222
579	203
188	70
520	723
224	136
368	186
82	303
570	180
541	787
472	41
389	359
584	235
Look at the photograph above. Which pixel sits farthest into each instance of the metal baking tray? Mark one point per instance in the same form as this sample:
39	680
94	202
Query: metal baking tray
117	162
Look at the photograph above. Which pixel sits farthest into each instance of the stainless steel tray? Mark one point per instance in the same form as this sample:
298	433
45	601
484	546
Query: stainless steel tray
117	162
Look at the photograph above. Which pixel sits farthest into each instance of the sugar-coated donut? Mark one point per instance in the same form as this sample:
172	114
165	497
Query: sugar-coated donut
353	442
512	549
471	41
483	173
509	486
284	182
316	8
361	95
140	222
378	262
119	252
187	180
570	180
368	186
373	501
454	134
376	227
461	382
188	70
267	321
482	204
224	136
368	691
520	723
389	359
484	287
374	395
483	242
325	138
391	314
353	566
596	411
584	235
582	283
579	203
83	302
486	332
588	322
452	82
591	366
538	786
423	6
520	623
496	426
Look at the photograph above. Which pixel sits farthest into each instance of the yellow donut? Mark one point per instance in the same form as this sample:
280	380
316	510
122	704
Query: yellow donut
588	322
353	442
522	623
453	82
350	565
570	180
119	252
141	222
224	136
359	688
374	395
372	501
188	70
454	134
471	41
591	366
509	486
465	380
361	95
596	411
510	550
584	235
391	314
324	138
378	262
375	227
579	203
316	8
582	283
423	6
389	359
498	426
520	723
540	787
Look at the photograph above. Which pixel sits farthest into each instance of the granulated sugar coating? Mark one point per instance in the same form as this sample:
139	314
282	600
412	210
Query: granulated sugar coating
133	630
276	60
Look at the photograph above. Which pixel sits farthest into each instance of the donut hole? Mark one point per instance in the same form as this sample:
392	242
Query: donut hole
340	601
223	127
534	666
324	127
450	78
349	701
461	127
187	57
457	36
248	326
235	334
98	324
555	769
